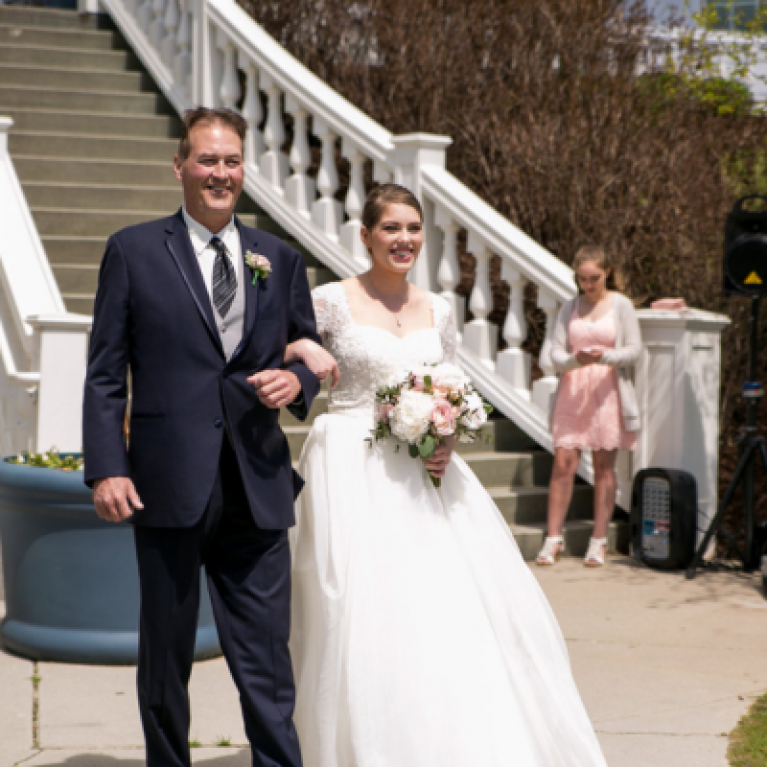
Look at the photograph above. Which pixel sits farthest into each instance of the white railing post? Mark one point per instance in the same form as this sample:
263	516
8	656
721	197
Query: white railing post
202	89
63	358
545	388
144	15
513	363
449	273
229	88
182	63
413	152
300	190
327	212
170	24
252	111
355	201
274	165
481	336
157	25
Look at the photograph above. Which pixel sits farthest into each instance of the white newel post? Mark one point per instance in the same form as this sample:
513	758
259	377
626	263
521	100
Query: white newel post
63	357
513	363
545	388
412	151
480	335
677	382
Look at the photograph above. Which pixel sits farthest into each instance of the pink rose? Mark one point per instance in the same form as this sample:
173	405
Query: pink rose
443	418
382	411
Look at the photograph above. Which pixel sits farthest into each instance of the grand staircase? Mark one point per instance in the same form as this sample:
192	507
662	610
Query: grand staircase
92	145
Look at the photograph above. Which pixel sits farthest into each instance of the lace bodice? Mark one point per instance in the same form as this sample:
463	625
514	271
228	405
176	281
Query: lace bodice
367	354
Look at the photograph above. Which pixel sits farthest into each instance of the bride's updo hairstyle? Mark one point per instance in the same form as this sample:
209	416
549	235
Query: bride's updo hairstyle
383	195
597	254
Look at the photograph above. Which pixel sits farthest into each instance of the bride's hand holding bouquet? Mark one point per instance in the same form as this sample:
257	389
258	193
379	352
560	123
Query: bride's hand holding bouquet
430	408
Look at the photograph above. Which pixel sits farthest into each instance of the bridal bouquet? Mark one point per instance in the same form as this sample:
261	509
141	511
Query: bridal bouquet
423	406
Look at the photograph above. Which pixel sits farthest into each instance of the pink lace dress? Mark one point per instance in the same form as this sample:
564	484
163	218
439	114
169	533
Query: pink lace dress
587	414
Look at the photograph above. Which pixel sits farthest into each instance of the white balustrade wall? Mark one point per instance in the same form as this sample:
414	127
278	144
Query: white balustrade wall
42	348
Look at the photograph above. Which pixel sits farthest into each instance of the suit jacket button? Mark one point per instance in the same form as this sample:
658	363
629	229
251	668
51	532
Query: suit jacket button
218	423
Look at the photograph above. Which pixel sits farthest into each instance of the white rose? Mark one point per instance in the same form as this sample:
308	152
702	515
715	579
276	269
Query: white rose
393	378
449	377
411	417
474	415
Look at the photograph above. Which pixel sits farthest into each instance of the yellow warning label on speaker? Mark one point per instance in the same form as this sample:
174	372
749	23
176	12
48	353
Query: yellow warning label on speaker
753	279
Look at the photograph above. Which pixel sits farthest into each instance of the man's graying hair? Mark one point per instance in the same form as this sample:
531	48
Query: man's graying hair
207	116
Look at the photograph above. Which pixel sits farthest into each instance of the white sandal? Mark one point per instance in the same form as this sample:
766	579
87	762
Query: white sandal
551	552
595	556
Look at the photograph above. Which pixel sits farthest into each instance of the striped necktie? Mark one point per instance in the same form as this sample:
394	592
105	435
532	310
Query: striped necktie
224	278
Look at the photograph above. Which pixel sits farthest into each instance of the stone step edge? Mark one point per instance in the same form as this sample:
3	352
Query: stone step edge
53	30
5	65
88	113
119	161
152	215
97	186
70	91
59	48
94	136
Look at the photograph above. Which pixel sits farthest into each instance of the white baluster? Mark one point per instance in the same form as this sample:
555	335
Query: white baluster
274	164
252	111
545	388
300	189
170	23
449	274
182	65
157	25
479	335
355	201
381	172
327	212
229	89
513	363
144	15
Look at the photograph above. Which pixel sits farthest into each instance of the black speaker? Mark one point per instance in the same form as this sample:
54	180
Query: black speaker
664	514
745	250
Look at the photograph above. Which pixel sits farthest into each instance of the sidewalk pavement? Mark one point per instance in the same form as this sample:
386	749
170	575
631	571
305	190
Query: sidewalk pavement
666	668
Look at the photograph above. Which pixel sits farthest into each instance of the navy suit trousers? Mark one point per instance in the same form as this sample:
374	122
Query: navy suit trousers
248	575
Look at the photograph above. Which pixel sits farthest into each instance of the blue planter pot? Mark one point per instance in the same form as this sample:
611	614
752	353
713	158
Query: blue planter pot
71	579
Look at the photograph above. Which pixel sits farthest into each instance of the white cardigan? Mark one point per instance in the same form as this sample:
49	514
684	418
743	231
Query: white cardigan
628	347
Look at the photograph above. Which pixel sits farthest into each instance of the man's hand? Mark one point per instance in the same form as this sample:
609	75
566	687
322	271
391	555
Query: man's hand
437	464
275	388
115	498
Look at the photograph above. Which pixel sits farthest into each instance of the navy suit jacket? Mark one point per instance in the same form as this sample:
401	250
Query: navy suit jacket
153	316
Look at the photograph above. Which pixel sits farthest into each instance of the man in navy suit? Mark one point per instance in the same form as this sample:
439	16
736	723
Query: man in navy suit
206	478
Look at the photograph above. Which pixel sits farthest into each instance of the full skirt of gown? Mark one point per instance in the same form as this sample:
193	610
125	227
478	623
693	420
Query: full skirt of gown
420	637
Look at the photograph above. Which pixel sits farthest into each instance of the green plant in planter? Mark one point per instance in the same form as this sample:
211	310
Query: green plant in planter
50	460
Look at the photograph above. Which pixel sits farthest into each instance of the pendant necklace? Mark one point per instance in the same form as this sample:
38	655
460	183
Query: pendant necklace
378	296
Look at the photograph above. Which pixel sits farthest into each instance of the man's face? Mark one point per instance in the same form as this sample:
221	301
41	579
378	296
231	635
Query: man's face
212	175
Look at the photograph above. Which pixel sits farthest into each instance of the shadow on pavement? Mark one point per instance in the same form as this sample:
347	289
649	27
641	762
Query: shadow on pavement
237	758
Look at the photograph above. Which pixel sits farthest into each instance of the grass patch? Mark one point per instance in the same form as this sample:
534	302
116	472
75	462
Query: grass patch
195	744
748	741
224	742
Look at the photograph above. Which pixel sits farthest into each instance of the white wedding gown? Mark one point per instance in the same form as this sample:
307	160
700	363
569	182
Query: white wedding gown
420	637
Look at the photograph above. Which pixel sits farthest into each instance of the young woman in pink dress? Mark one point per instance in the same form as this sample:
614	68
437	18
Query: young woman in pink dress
596	343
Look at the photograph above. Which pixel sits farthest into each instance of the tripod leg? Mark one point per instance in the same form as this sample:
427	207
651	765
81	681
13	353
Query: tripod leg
745	459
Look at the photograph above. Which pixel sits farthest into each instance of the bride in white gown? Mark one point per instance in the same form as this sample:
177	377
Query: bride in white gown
420	637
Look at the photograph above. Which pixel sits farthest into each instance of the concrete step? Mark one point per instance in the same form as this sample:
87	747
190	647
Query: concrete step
319	276
74	79
81	279
529	505
76	99
94	171
35	56
98	223
93	123
79	304
44	194
81	40
74	250
98	147
52	18
529	538
319	406
511	470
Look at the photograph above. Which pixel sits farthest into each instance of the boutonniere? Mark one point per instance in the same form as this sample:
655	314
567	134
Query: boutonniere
260	265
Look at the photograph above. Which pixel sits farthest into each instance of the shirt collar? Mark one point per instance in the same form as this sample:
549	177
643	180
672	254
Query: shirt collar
200	236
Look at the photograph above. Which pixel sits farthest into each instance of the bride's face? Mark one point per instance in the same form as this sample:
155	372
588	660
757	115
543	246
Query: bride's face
396	240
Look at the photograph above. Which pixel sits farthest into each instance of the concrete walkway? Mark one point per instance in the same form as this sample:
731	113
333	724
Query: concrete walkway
666	668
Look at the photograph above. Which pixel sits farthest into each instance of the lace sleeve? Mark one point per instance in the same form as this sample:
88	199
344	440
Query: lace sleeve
328	308
444	320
